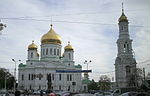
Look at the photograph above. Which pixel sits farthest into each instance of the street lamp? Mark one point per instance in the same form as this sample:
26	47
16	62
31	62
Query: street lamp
2	26
15	73
87	62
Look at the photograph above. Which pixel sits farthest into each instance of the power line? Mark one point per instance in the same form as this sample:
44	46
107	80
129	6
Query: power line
65	14
143	62
104	72
78	22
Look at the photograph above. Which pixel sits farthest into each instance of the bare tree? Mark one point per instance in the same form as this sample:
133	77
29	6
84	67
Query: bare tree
104	82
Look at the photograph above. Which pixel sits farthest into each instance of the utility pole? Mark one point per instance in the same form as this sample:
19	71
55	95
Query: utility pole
87	62
144	74
15	79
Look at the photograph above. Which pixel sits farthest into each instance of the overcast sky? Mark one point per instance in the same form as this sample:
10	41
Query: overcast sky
90	25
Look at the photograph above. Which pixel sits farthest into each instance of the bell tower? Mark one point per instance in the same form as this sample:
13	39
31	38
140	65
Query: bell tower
125	64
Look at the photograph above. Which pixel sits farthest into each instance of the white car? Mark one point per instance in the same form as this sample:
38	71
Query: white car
83	94
62	93
129	94
98	94
103	94
36	92
107	94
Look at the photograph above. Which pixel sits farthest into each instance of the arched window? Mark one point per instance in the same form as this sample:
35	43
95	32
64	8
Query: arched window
50	51
54	51
30	87
57	51
31	54
32	77
49	77
68	88
84	87
29	77
124	49
125	28
67	77
121	27
53	77
128	47
69	55
39	87
43	51
70	77
22	77
59	87
46	51
128	69
59	76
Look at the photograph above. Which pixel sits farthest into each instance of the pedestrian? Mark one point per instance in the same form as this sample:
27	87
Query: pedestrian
52	94
41	93
17	93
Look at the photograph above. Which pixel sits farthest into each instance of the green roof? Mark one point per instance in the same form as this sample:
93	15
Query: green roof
78	66
22	65
86	81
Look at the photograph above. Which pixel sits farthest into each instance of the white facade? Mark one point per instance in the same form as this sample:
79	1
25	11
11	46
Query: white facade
39	72
125	64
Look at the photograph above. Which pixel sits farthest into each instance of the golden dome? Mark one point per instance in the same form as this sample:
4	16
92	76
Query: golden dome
51	37
32	46
123	18
68	47
86	73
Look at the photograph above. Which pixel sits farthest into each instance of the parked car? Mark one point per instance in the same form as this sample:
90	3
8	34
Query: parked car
63	93
129	94
36	92
83	94
120	91
4	93
142	94
107	93
98	94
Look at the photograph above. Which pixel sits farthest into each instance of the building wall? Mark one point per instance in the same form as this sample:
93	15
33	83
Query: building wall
43	68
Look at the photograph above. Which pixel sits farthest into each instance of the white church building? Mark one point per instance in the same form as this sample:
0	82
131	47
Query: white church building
46	71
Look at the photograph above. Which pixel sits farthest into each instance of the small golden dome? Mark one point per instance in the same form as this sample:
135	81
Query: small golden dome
68	47
86	73
32	46
51	37
123	16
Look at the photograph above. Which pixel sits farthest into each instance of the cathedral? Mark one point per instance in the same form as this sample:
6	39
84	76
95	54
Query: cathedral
50	70
125	64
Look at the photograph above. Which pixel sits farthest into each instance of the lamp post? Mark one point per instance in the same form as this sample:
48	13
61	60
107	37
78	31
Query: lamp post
15	74
5	78
2	26
87	62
